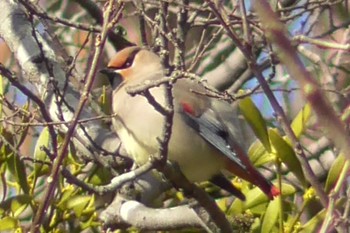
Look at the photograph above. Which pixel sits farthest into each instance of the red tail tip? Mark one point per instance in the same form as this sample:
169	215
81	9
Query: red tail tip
275	191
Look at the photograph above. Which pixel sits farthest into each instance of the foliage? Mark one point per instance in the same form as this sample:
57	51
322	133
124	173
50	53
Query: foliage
287	136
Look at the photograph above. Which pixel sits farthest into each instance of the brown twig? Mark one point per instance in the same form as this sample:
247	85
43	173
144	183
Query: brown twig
311	177
53	178
324	112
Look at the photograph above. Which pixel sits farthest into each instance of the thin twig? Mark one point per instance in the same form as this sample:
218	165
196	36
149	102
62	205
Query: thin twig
274	103
53	178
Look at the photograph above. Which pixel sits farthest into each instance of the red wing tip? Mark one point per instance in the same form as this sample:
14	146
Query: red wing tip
275	191
187	108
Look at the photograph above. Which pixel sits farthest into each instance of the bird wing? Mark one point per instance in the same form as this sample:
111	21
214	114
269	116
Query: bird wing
211	130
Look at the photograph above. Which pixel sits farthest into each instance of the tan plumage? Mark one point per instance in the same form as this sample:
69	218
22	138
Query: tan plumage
138	124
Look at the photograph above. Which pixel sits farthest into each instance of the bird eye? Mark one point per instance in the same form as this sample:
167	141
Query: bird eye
127	64
130	60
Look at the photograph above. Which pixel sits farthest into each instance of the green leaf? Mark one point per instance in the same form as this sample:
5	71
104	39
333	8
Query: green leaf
271	216
334	172
104	101
67	193
73	161
258	155
288	189
19	204
40	155
91	222
1	94
17	168
24	119
287	155
314	223
256	197
255	120
299	123
100	176
7	224
6	145
78	204
256	226
236	207
15	203
222	204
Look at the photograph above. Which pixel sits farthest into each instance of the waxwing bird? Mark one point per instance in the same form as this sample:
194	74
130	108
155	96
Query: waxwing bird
201	142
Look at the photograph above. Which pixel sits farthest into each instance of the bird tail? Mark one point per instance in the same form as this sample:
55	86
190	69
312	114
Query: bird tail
254	177
222	182
249	172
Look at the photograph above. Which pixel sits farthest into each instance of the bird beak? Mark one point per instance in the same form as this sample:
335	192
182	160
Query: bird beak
114	78
107	71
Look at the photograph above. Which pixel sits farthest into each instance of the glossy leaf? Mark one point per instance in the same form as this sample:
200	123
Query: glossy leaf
256	197
5	146
314	223
78	204
271	216
258	155
287	155
222	204
7	224
100	176
288	189
40	155
17	168
105	102
90	208
73	161
19	204
334	172
24	132
256	226
67	193
255	120
6	204
91	222
299	123
1	93
236	207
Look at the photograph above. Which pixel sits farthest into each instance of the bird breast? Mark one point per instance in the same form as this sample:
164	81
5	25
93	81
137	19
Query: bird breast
139	125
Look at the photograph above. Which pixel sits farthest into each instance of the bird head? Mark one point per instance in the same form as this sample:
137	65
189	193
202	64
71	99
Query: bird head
133	63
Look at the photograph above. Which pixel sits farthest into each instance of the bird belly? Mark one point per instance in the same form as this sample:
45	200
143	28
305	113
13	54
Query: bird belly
139	153
197	160
139	125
